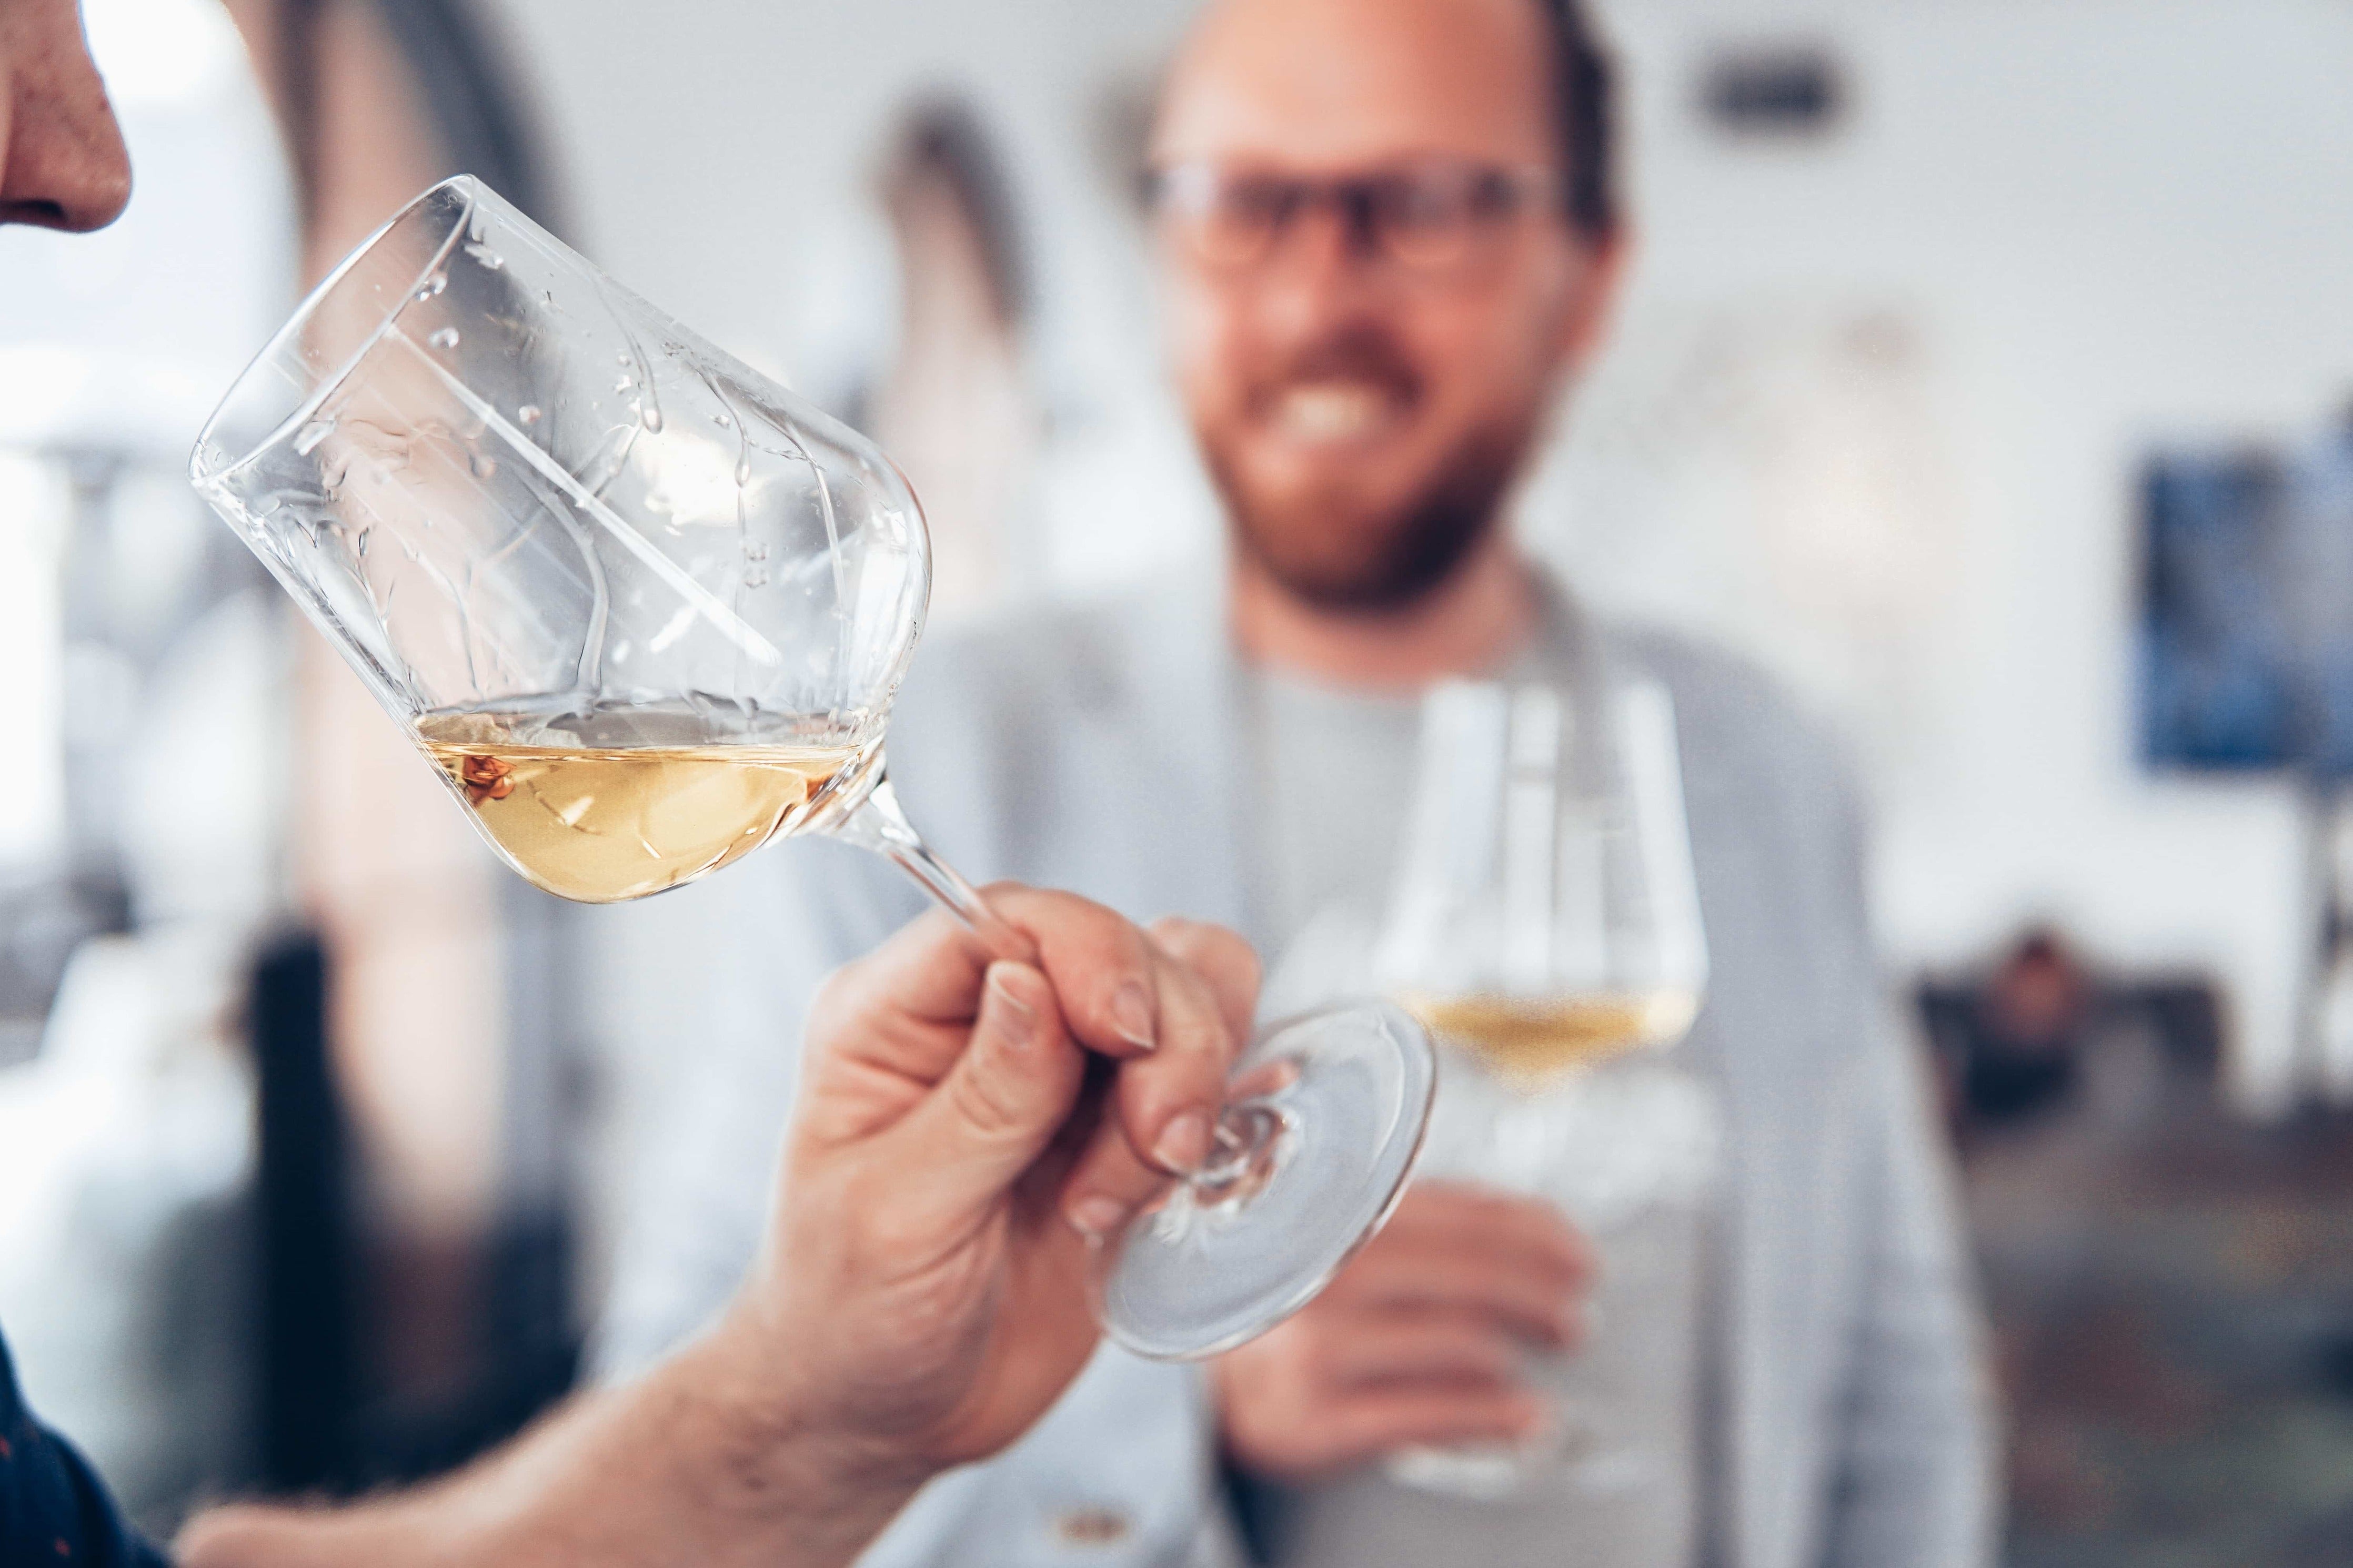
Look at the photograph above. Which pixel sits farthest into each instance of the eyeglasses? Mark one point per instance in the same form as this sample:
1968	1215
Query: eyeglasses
1429	217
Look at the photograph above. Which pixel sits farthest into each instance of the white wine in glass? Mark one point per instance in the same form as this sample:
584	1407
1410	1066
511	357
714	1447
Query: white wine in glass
588	819
1533	1041
644	610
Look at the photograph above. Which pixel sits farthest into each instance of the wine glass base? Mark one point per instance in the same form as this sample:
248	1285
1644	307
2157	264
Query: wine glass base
1325	1114
1573	1456
1486	1473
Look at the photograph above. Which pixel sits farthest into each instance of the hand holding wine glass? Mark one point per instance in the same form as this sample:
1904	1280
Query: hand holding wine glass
947	1101
1418	1342
921	1300
644	611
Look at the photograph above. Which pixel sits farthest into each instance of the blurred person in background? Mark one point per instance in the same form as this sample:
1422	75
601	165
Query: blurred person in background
1391	243
954	408
943	1108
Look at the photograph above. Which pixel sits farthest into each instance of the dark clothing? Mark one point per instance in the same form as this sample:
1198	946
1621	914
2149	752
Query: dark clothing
53	1509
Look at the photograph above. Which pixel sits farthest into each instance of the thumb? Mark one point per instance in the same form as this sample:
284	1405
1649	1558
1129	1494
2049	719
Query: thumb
1008	1093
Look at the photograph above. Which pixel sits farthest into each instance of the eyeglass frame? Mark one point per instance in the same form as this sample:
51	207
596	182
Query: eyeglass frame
1356	198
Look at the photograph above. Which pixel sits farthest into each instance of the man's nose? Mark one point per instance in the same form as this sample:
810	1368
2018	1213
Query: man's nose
1322	265
65	164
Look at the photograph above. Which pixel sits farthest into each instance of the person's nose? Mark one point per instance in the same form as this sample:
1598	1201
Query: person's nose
64	165
1322	270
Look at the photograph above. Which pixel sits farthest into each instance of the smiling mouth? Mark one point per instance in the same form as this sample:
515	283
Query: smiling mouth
1335	411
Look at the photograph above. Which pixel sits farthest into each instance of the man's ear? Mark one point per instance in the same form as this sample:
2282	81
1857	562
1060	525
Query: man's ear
1593	303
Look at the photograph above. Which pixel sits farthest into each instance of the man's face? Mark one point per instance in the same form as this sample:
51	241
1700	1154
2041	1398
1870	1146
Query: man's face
61	160
1362	413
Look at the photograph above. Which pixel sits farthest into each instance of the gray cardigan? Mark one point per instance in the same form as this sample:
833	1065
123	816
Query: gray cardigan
1090	748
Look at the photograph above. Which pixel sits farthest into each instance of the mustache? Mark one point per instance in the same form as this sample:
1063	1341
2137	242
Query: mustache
1353	353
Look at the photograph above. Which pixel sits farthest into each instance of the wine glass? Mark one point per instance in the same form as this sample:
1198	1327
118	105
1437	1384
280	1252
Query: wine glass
1545	923
644	610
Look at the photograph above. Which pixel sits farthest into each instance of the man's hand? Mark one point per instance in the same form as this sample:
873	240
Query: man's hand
1419	1340
925	1297
922	1298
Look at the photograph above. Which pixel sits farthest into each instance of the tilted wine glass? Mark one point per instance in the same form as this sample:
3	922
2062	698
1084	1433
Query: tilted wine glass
645	610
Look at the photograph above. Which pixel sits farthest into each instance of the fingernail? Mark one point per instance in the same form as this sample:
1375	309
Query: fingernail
1131	1015
1098	1217
1020	1019
1184	1144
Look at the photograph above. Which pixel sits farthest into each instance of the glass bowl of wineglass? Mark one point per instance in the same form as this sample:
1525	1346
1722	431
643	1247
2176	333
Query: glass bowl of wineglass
644	611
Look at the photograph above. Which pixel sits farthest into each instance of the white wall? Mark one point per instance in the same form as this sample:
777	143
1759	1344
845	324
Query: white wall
2104	223
1874	412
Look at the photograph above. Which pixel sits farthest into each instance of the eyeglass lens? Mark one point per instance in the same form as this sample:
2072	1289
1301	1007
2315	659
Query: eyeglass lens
1426	219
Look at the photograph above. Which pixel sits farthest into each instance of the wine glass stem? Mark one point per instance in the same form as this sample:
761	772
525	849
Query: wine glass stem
879	824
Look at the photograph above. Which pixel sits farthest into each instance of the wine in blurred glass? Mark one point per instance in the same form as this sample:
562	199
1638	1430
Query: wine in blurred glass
1533	1040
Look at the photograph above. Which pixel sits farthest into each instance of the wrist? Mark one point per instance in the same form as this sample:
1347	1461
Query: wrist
768	1455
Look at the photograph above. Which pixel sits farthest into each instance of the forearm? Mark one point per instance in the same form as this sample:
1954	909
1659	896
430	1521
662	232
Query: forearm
689	1464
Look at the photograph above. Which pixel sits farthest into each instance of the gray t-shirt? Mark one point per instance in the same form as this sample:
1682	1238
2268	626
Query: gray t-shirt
1336	768
1336	772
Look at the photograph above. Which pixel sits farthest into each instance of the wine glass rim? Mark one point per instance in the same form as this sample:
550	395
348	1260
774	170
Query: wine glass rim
203	476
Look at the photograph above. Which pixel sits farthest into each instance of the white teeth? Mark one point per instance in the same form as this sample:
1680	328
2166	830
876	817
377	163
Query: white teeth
1332	411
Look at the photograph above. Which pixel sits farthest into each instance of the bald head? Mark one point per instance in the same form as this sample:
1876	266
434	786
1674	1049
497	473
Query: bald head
1364	417
1344	83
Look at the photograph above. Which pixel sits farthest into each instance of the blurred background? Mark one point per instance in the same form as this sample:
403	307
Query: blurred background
1988	374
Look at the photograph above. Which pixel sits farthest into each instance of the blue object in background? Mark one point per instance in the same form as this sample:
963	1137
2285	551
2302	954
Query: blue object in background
2215	665
2246	612
2319	514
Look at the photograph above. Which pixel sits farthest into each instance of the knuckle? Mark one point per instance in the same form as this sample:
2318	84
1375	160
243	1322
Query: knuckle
1221	956
1202	1042
1174	932
834	999
987	1095
1511	1214
1097	921
1555	1236
1412	1217
1457	1202
1232	954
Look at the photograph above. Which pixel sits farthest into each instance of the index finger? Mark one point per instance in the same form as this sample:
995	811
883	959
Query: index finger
1102	968
1105	969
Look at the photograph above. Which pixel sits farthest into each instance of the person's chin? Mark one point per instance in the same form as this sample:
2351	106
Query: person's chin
1332	485
1334	556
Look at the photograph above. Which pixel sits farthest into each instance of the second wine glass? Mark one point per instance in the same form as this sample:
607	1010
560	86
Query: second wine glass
1545	923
